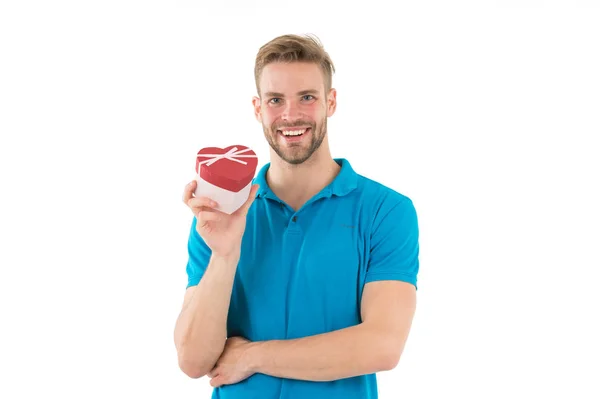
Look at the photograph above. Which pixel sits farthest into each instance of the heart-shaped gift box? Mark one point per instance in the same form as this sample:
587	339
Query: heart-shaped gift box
225	175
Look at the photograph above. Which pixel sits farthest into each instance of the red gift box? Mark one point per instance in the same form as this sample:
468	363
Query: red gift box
225	175
230	168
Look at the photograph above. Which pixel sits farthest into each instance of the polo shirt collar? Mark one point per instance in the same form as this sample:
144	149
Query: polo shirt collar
343	184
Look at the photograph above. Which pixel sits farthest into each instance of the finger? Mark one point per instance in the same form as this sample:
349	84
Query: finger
198	202
217	381
205	216
188	191
251	197
212	373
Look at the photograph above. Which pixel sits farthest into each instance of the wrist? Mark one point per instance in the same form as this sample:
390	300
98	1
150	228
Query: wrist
232	257
253	356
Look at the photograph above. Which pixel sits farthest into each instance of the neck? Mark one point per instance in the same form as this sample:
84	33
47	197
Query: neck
296	184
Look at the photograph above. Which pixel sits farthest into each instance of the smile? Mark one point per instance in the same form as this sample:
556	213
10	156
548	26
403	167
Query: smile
295	132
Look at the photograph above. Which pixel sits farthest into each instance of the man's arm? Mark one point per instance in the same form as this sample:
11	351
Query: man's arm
387	310
200	330
214	248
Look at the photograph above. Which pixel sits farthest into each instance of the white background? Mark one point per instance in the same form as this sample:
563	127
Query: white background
494	111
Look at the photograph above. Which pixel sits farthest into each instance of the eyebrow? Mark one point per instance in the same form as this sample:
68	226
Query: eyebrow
300	93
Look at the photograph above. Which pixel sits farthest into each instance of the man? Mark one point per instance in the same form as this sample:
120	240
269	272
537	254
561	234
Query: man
309	289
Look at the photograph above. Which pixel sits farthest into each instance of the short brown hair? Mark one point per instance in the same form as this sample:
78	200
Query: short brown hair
294	48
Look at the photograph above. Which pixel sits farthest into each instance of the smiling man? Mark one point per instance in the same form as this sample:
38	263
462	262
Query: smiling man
310	288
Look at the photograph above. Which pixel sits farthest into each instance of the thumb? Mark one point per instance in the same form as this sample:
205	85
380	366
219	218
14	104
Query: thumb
251	196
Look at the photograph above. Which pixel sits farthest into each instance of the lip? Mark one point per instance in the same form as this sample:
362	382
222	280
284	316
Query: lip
293	128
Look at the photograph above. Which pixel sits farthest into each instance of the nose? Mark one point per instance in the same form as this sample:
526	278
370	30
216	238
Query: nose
290	111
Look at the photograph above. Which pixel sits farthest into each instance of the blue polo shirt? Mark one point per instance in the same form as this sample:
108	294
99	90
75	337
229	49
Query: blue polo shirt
303	273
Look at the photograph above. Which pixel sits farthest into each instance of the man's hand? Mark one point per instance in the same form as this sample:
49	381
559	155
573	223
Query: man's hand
221	232
234	365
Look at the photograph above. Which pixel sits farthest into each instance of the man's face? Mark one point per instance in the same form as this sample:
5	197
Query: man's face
293	109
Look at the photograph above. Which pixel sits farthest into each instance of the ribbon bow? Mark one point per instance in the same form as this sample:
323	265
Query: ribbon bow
232	155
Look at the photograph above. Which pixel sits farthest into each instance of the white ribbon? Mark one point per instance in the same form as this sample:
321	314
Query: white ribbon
231	155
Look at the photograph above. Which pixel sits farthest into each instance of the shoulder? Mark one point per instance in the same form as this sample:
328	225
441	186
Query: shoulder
379	200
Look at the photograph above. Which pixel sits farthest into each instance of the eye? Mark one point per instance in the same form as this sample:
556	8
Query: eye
309	97
274	100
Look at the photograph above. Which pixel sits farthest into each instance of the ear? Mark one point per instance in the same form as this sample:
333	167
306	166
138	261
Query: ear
331	102
257	108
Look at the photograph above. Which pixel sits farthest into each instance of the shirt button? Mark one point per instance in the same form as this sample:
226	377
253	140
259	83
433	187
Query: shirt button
294	219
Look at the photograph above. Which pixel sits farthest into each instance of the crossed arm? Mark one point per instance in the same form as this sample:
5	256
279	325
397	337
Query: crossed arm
387	311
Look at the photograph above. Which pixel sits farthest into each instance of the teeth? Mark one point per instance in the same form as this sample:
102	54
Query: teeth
293	132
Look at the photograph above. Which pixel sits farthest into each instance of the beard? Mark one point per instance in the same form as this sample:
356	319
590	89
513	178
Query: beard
292	153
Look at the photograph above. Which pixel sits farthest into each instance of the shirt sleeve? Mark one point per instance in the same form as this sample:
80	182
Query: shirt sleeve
394	243
198	256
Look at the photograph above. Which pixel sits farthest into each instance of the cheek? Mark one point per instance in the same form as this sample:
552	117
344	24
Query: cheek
316	112
269	115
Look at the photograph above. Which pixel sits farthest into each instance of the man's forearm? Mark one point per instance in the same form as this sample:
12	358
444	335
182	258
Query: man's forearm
349	352
201	328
